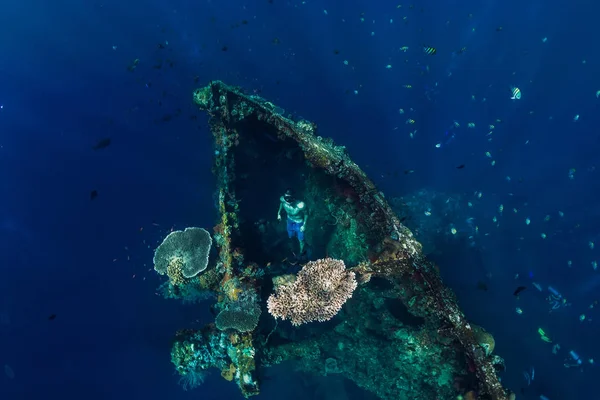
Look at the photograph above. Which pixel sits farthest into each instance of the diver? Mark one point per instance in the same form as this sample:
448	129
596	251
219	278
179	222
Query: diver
297	214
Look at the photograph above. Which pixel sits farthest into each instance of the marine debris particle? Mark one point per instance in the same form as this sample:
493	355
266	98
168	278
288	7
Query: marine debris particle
400	335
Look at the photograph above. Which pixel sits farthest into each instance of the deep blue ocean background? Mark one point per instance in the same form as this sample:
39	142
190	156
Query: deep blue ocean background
65	84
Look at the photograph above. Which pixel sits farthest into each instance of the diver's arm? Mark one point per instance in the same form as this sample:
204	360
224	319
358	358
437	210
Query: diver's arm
279	211
303	227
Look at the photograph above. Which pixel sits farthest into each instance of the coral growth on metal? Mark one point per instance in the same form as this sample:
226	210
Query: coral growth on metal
396	258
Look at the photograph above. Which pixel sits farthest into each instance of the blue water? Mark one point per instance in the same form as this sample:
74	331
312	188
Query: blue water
64	85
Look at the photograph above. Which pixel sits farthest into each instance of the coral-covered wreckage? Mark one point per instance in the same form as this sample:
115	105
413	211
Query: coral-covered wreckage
398	332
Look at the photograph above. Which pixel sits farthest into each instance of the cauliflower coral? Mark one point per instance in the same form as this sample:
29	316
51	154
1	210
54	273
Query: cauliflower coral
317	294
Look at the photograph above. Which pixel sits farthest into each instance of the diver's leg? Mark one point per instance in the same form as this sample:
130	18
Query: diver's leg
301	239
290	232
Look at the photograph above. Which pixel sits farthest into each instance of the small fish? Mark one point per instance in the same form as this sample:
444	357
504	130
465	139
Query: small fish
131	67
101	144
546	339
482	286
518	310
93	194
52	317
430	51
519	290
516	93
461	166
555	348
408	171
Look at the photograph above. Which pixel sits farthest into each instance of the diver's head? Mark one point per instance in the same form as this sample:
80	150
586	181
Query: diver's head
289	195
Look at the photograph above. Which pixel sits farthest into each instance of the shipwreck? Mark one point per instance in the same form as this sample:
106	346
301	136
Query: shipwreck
383	317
